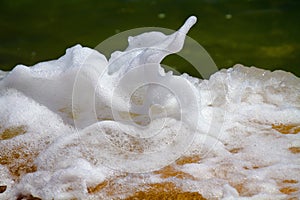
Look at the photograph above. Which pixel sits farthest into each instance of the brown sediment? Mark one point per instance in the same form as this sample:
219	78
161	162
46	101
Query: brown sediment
235	150
2	188
70	112
188	159
111	187
97	188
254	167
294	150
240	188
170	171
243	190
292	181
133	116
18	160
286	186
157	191
288	190
128	115
114	188
165	191
27	197
286	128
104	119
293	198
11	132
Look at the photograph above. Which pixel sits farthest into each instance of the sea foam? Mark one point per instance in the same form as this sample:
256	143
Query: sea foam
84	127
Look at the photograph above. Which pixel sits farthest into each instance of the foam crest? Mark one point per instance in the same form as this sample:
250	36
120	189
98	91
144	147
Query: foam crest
51	83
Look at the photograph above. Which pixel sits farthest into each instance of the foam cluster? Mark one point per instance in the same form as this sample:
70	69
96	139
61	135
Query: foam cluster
84	127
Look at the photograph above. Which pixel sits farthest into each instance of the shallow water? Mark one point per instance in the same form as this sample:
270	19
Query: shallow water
254	32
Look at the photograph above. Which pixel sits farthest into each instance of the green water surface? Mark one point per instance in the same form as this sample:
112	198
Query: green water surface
262	33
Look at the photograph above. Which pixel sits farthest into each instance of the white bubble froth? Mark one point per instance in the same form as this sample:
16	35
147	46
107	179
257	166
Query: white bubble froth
79	119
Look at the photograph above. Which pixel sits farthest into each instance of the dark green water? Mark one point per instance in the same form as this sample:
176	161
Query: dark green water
262	33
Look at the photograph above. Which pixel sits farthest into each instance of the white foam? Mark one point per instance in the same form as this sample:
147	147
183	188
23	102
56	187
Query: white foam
51	83
82	121
66	183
